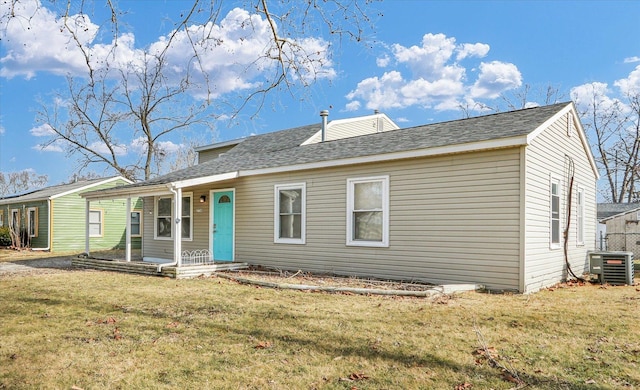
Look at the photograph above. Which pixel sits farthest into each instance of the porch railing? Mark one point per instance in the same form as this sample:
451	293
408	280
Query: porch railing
197	257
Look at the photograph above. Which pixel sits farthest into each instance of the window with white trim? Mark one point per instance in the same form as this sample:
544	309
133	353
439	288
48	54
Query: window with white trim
368	211
1	218
136	223
95	223
555	213
32	221
186	216
580	216
164	216
290	213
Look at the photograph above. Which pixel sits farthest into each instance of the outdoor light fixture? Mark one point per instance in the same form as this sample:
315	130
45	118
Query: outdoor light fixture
203	198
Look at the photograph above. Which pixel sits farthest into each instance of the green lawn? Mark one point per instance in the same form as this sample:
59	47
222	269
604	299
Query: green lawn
99	330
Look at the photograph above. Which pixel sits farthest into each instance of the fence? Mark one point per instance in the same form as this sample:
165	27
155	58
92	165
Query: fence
628	242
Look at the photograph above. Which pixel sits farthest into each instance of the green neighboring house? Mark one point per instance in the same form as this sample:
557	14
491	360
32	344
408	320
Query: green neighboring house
54	218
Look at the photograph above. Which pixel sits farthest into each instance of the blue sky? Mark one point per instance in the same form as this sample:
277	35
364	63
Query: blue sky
424	60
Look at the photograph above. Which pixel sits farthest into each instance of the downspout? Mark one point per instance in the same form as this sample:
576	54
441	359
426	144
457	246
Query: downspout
48	229
177	232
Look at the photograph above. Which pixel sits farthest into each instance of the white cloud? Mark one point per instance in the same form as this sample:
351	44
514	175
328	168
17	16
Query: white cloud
44	130
36	40
479	50
584	96
234	57
435	78
2	130
495	77
429	61
102	148
352	106
380	93
169	147
383	61
57	146
139	146
631	84
630	60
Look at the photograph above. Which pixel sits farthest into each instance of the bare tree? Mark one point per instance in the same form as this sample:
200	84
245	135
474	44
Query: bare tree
21	181
613	129
517	99
118	107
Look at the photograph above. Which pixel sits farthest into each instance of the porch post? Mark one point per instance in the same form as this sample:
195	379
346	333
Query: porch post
177	234
127	231
86	227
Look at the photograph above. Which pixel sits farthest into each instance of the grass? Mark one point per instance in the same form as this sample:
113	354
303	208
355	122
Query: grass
95	330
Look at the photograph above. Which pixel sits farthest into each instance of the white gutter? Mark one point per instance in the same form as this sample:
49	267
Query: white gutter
177	231
48	230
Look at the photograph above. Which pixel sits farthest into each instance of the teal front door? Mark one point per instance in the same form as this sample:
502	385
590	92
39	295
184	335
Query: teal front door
222	229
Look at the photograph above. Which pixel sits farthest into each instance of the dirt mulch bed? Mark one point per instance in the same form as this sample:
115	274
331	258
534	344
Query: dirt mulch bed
329	283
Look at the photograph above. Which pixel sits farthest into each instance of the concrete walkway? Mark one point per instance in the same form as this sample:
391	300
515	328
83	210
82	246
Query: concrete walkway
44	265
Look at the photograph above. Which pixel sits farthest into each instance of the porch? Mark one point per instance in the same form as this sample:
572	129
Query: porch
193	264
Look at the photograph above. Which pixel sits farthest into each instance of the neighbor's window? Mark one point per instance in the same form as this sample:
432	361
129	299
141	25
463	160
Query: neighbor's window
290	209
136	223
32	222
555	213
368	211
14	224
580	215
1	218
95	223
164	217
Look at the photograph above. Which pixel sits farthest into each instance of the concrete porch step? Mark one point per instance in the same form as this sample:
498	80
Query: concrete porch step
141	268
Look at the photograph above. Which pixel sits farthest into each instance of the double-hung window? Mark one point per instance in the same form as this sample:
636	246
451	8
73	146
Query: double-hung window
290	209
164	217
580	215
32	221
1	218
136	223
555	213
368	211
95	223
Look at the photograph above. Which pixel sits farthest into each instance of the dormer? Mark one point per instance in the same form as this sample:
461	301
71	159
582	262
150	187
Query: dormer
213	151
351	127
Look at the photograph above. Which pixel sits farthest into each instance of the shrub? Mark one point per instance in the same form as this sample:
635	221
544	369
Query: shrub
5	237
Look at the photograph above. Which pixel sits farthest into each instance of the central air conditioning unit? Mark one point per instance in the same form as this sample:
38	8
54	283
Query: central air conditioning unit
615	268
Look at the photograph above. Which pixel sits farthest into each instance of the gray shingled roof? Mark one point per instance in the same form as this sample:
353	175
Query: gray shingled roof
48	192
282	148
606	210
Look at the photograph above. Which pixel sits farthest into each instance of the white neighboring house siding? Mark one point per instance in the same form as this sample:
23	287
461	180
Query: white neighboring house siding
546	159
452	219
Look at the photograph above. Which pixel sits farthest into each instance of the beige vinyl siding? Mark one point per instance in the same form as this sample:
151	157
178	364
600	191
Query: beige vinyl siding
453	219
353	128
163	249
546	158
212	154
